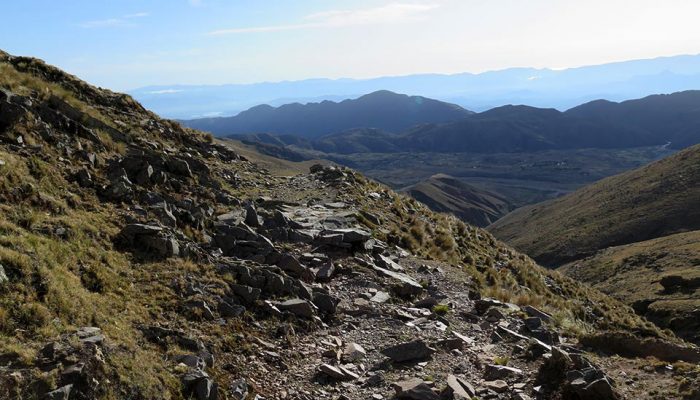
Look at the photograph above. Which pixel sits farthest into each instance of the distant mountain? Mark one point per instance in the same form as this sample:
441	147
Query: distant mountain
659	199
546	88
383	110
444	193
672	120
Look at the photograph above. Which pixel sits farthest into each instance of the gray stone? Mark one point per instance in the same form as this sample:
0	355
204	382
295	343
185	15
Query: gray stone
380	297
534	312
414	389
410	351
405	286
600	389
325	302
62	393
325	272
353	352
338	373
251	216
495	372
227	310
239	389
298	307
497	386
246	293
191	360
458	389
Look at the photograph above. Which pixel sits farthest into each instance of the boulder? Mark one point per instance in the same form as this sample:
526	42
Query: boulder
496	372
62	393
458	389
600	389
246	293
251	216
410	351
338	373
197	384
353	352
325	302
534	312
414	389
298	307
497	386
325	272
228	310
405	286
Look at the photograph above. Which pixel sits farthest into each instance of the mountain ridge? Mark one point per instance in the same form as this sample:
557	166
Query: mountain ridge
381	109
672	119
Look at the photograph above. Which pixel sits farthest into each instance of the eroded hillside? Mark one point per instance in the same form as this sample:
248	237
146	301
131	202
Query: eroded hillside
142	260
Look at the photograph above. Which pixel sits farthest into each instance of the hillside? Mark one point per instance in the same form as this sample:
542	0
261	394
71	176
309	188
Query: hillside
650	202
443	193
382	110
660	278
144	260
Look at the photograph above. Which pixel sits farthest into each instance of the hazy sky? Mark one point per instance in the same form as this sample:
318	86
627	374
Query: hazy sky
124	44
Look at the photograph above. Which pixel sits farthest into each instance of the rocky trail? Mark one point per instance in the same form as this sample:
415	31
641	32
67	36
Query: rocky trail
142	260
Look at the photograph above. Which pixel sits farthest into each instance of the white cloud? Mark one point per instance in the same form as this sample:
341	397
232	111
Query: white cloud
165	91
390	13
114	22
137	15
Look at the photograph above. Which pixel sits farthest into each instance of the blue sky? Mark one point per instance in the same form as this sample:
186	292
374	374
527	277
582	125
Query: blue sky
124	44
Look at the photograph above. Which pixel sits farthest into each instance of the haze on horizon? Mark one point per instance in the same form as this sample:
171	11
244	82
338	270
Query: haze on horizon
132	43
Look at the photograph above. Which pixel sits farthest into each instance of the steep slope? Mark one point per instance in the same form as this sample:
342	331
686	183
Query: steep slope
382	109
660	278
653	201
143	260
444	193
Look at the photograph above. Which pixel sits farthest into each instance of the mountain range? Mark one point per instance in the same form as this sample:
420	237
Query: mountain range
672	120
383	110
545	88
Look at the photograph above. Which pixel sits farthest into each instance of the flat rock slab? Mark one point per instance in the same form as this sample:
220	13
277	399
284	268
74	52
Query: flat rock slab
410	351
414	389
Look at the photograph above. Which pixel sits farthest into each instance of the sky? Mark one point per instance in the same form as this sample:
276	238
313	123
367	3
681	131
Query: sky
126	44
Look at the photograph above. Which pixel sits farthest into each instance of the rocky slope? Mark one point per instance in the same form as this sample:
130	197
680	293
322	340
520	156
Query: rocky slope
142	260
444	193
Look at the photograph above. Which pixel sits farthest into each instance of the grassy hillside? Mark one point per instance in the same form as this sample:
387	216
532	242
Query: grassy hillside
444	193
144	260
660	278
653	201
